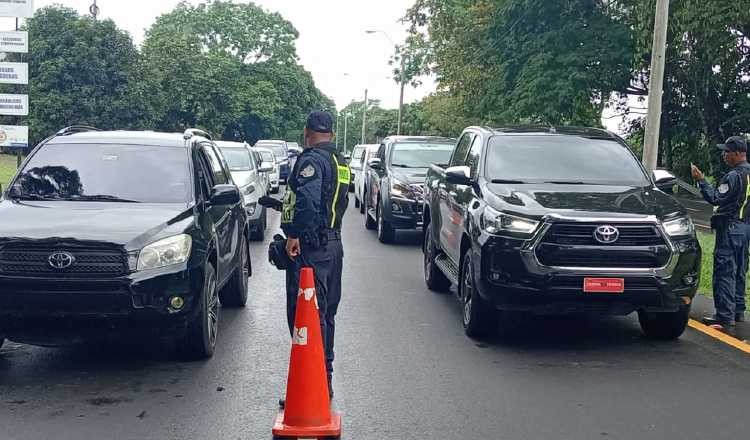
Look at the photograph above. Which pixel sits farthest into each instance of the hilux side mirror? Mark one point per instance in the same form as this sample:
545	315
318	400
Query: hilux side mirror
222	195
663	178
460	175
375	164
266	167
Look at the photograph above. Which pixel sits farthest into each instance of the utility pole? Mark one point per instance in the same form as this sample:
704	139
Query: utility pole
346	121
364	120
656	86
401	98
338	130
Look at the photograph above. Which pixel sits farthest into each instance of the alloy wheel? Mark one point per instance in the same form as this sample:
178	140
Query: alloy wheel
213	311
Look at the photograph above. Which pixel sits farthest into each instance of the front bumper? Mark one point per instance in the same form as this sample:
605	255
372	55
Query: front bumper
403	213
512	278
52	309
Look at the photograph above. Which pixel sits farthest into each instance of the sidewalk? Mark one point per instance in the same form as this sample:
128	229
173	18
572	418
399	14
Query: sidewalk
704	306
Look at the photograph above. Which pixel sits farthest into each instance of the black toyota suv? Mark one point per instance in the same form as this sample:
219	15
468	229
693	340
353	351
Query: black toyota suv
556	221
393	194
120	232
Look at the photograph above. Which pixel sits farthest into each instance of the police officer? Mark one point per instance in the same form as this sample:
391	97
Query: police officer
730	223
313	209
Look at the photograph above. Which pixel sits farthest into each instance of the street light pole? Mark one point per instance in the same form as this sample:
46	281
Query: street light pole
338	130
346	121
364	120
400	74
656	86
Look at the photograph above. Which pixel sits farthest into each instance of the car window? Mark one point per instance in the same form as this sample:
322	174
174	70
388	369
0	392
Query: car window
420	154
381	153
206	180
140	173
267	156
357	155
279	149
217	170
238	159
566	159
459	155
474	156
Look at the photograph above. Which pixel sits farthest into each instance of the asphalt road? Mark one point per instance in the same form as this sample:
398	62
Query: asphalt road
404	371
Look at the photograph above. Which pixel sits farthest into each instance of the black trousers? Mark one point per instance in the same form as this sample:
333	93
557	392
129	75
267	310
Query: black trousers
327	263
730	270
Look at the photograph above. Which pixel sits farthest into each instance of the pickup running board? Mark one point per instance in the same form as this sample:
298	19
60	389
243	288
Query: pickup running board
447	267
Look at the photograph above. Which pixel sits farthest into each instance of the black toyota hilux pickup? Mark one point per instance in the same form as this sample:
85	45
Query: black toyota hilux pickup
557	221
114	233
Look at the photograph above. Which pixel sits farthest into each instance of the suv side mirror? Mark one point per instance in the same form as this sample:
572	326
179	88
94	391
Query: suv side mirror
266	167
460	175
375	164
222	195
663	178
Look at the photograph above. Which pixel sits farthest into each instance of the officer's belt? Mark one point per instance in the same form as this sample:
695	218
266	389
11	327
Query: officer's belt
331	234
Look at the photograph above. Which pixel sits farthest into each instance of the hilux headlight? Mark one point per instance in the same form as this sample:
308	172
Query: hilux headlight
679	227
400	189
166	252
495	222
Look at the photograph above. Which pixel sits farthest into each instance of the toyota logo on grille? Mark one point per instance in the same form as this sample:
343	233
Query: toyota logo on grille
606	234
61	260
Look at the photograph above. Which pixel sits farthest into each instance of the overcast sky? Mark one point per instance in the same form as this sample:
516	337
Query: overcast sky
333	45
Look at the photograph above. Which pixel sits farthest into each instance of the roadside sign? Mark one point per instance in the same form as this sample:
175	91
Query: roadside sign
16	42
17	8
14	105
15	136
14	73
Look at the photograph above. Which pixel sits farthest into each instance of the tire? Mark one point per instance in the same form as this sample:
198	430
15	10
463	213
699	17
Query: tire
356	202
386	233
370	224
433	276
234	294
362	205
478	314
199	342
259	233
664	326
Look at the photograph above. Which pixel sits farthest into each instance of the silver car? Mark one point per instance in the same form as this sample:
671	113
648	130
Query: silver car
247	175
268	160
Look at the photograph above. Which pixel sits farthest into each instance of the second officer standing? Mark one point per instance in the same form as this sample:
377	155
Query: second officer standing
315	201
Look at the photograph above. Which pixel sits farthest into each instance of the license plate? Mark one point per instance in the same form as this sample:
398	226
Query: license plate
603	285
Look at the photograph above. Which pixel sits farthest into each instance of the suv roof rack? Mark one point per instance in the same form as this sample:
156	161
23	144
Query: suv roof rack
67	131
190	132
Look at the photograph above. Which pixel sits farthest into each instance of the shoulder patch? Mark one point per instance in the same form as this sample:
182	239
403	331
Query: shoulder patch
723	188
309	171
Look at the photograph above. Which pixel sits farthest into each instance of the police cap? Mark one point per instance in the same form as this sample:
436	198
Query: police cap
734	143
321	122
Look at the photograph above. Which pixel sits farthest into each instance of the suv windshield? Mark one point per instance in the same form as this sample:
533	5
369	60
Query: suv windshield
238	159
566	159
420	155
134	173
278	149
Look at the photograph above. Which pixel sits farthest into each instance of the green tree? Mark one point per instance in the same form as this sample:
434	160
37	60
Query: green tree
82	71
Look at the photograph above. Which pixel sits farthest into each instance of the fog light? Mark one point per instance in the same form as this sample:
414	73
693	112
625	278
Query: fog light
395	207
687	300
690	280
176	302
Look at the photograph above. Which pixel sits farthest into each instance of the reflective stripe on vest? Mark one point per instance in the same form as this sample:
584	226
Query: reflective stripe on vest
747	196
343	177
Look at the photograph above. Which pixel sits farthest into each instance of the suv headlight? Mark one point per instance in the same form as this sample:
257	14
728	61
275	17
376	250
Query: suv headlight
166	252
679	227
401	189
495	222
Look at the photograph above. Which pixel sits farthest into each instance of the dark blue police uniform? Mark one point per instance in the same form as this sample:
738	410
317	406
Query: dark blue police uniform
314	205
730	223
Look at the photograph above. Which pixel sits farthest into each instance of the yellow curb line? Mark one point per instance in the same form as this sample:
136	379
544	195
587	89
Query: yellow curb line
723	337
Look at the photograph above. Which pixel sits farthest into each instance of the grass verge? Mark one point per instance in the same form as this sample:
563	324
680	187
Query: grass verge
707	268
7	168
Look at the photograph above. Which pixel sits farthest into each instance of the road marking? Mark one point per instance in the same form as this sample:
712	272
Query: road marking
723	337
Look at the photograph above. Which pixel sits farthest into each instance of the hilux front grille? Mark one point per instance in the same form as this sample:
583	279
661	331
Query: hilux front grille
639	246
89	262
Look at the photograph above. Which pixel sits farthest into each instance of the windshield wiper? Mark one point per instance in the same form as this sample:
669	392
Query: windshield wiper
400	165
567	182
507	181
100	198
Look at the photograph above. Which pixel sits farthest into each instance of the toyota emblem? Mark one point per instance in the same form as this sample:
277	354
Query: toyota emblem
606	234
61	260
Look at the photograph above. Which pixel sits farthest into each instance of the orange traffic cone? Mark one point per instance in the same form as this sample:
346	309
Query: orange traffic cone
307	412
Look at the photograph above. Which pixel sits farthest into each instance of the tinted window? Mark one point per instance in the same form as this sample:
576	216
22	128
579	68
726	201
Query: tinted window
216	169
546	158
420	155
459	156
358	154
238	159
131	172
474	156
